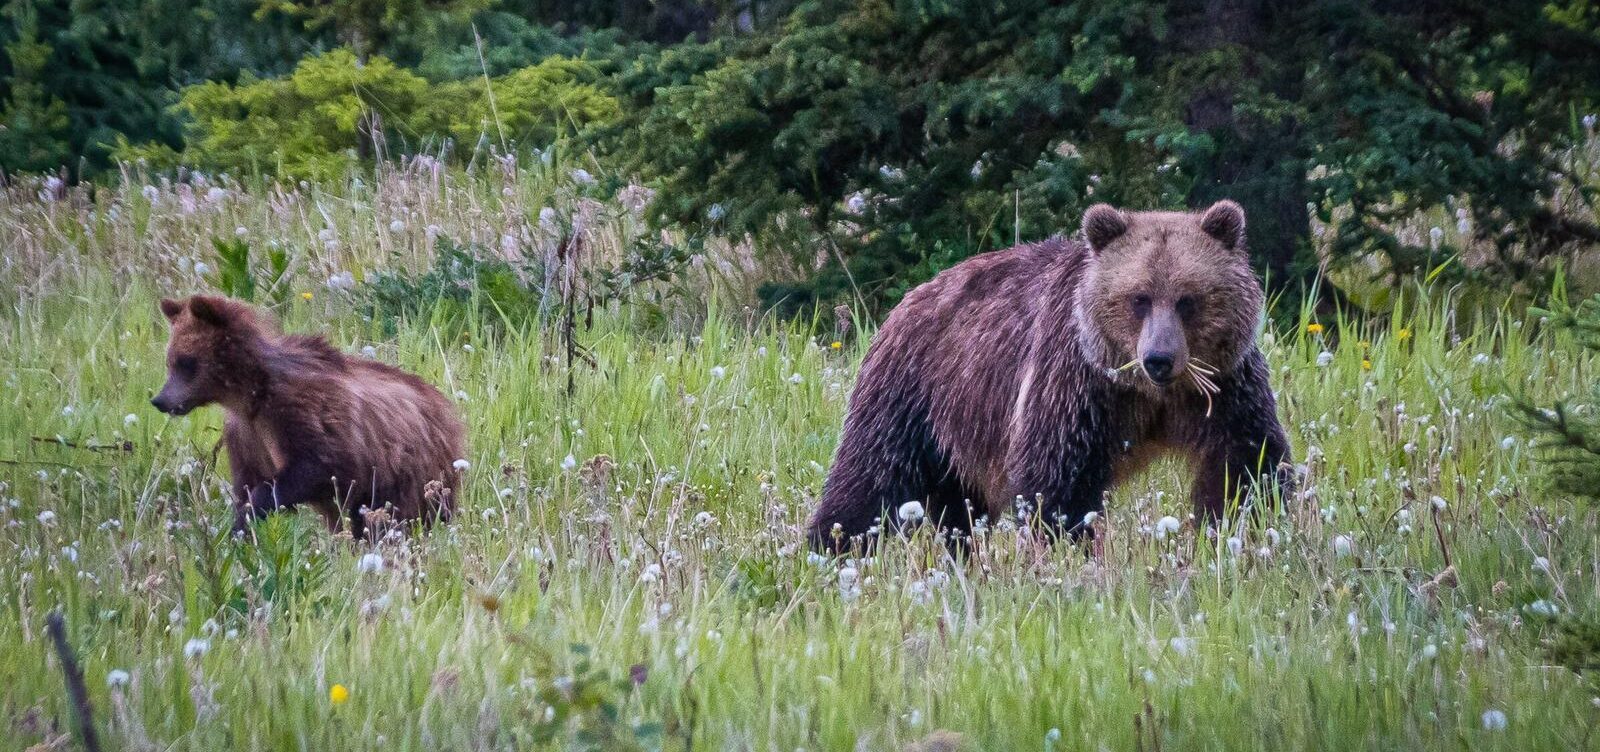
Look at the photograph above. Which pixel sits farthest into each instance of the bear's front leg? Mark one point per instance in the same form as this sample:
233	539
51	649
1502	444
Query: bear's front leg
299	482
1059	452
1242	445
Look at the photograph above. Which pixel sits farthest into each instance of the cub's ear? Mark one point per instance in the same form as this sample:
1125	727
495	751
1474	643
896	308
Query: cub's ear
1102	224
211	310
171	308
1225	222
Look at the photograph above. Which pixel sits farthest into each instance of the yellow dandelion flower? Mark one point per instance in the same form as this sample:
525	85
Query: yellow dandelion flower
1366	365
1403	334
836	344
1365	345
338	694
1314	328
305	296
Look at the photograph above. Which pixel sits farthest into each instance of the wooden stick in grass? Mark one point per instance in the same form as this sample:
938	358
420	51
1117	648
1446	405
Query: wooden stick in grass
82	713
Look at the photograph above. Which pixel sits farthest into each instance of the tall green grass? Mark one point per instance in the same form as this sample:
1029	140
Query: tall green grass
651	517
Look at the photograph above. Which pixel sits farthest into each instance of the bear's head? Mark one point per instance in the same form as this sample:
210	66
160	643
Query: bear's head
1170	294
211	355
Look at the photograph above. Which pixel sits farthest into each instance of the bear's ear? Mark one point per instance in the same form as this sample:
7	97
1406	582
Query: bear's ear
1102	224
171	308
1225	222
211	310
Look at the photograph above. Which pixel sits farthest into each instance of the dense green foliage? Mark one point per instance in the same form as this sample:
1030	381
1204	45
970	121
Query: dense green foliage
306	124
873	142
917	131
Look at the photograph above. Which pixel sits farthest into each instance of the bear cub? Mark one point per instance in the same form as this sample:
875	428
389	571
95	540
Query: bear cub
1051	371
307	424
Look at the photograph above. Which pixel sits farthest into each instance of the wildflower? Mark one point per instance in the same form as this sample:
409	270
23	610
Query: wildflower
836	344
1508	442
1541	564
582	177
338	694
569	462
305	295
1365	345
796	379
1404	334
1439	503
116	678
704	519
369	352
1589	121
342	281
1182	645
1235	546
1366	364
397	227
1324	359
461	465
151	193
716	212
911	512
651	573
1313	328
1435	236
1481	359
718	372
129	419
196	647
1343	545
1430	651
201	269
1542	607
47	518
1494	720
1166	525
371	563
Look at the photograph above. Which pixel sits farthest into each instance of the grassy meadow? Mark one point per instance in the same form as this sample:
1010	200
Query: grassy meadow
626	571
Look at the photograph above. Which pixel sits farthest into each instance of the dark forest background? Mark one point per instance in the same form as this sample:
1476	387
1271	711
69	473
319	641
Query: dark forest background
897	135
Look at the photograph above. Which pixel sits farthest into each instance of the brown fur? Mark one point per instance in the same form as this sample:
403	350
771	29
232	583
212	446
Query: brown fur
1029	372
307	424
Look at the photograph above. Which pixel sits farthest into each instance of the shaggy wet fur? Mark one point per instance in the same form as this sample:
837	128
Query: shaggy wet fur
307	424
1016	373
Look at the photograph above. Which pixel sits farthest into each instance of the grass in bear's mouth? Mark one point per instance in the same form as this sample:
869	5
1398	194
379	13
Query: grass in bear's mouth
628	603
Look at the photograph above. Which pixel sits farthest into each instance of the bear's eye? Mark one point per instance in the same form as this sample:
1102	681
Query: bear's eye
1187	306
1141	305
184	365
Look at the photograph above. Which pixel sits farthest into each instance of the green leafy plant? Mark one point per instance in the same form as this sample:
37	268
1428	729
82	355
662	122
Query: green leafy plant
586	708
236	276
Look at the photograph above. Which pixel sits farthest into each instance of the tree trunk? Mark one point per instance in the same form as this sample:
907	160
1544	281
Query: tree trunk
1255	162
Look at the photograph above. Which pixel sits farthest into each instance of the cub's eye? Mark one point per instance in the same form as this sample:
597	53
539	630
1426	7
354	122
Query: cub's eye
184	365
1187	306
1141	305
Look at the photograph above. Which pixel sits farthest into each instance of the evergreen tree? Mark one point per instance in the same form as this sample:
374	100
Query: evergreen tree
911	133
1568	432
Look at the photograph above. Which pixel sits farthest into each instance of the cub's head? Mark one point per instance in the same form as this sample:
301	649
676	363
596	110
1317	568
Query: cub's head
1170	294
211	355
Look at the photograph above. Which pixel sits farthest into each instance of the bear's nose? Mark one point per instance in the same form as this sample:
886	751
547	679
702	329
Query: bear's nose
1158	367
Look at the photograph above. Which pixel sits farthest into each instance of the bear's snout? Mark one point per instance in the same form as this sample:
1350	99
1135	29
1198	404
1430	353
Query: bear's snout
168	406
1158	366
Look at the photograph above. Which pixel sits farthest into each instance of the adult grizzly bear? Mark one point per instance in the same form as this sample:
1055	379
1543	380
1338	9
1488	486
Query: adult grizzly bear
307	424
1052	370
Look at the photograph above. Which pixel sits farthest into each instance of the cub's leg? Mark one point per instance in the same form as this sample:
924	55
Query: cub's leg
1242	445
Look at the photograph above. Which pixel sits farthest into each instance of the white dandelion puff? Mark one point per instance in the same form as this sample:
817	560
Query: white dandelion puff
911	512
